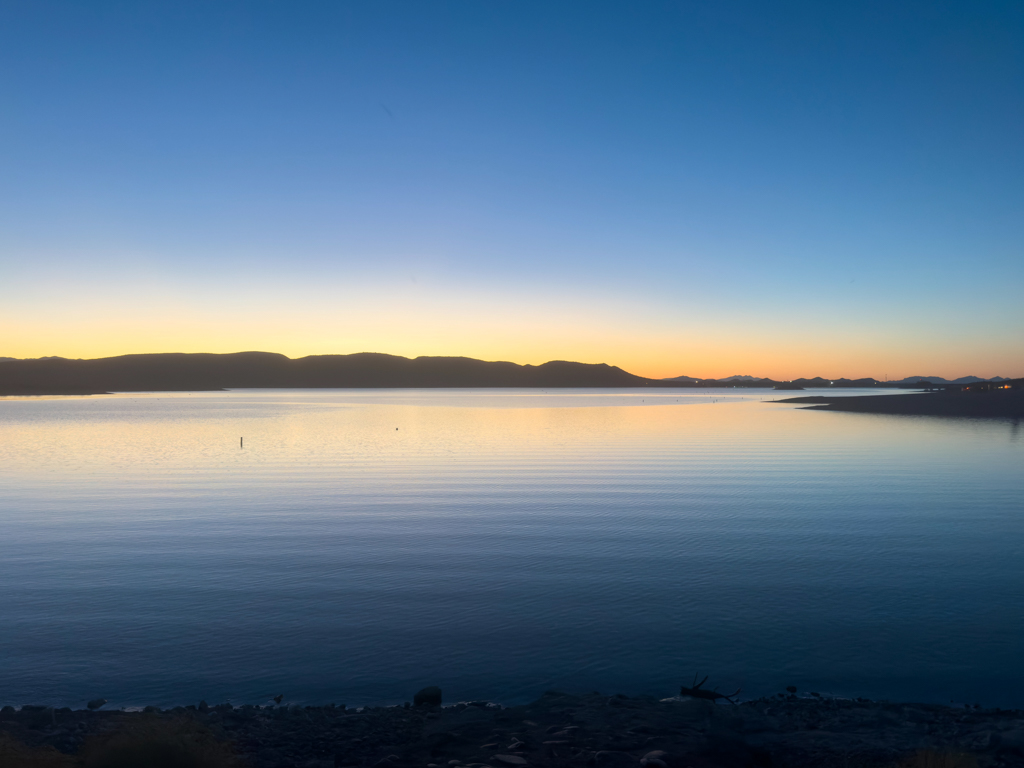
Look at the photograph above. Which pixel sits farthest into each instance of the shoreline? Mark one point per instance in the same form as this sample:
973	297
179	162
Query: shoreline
558	729
995	404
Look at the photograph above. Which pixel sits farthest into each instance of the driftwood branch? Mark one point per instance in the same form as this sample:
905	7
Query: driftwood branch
697	692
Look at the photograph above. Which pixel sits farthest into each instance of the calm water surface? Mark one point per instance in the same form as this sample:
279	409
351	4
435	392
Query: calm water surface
498	543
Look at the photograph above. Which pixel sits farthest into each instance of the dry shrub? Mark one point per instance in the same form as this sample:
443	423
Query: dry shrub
14	754
929	758
155	742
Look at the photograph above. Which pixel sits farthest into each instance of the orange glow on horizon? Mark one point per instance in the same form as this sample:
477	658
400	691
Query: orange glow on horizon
647	360
490	328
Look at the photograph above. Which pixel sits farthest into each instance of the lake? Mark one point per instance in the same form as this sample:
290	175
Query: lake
361	544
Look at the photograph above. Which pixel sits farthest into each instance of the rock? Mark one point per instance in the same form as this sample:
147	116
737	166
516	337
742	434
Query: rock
660	757
509	760
646	730
440	742
96	704
427	697
203	706
619	744
655	759
1011	740
610	759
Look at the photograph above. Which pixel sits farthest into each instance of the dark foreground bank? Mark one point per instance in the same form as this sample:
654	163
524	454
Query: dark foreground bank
1007	403
585	731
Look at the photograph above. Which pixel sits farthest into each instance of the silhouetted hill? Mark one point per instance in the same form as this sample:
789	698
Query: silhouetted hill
243	370
183	372
913	380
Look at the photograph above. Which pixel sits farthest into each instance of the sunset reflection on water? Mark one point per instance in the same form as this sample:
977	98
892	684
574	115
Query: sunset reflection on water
499	543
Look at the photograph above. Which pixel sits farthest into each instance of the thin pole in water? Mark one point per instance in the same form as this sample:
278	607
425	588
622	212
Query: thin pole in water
241	442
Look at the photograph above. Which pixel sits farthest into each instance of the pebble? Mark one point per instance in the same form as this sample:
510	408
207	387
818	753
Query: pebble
612	759
510	759
1013	739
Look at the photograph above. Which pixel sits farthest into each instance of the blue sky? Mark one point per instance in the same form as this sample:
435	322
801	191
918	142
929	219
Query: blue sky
779	189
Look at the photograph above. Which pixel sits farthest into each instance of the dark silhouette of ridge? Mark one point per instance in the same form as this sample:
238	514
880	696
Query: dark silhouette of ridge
261	370
244	370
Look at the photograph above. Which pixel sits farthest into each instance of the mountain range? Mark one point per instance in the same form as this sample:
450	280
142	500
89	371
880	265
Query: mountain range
940	380
243	370
908	381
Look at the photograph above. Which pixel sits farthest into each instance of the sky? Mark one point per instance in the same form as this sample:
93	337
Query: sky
776	189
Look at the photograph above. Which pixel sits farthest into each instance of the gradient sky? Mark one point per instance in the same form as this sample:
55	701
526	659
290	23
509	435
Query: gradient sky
714	188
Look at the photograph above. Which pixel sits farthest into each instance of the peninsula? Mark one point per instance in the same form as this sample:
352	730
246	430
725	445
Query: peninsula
1004	401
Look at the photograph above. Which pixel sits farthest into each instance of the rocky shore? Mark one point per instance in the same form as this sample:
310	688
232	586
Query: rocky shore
579	731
